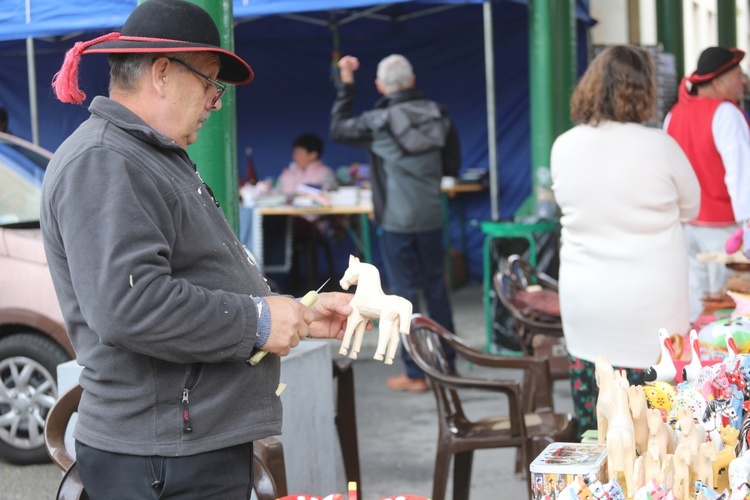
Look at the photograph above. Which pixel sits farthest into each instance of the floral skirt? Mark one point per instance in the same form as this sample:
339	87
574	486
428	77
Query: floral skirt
585	390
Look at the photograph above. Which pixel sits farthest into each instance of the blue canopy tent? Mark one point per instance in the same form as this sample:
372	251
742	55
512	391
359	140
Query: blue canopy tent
290	45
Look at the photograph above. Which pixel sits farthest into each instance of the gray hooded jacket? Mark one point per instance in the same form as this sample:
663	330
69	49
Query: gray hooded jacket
412	144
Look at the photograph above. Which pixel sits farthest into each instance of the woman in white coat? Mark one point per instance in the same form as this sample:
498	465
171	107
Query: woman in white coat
623	190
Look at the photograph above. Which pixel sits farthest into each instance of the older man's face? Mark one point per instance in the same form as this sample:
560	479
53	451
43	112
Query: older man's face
195	101
732	84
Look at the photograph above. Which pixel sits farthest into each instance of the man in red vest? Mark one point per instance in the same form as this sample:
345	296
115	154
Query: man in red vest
711	128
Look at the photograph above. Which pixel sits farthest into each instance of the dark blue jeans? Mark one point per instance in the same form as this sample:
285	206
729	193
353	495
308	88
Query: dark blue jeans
415	261
223	473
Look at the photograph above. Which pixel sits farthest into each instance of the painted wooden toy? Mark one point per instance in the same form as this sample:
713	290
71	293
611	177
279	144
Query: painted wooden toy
688	400
664	370
692	369
669	368
659	395
719	412
729	436
739	468
653	491
369	302
705	492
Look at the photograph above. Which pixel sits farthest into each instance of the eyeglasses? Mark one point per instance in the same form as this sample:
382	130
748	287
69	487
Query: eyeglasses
220	87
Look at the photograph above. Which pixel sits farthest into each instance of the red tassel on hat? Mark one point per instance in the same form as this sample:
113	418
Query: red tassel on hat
65	81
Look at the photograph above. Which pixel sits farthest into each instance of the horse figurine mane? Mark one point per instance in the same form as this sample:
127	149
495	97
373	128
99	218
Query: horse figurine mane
370	302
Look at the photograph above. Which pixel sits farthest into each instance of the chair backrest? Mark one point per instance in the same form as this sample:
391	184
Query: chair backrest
424	345
511	282
269	473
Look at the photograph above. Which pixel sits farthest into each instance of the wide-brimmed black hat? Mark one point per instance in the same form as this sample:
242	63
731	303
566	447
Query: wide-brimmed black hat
713	62
155	26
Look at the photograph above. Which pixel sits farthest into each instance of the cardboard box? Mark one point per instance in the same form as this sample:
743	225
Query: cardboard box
560	463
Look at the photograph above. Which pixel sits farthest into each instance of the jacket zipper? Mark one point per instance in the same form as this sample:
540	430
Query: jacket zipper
190	379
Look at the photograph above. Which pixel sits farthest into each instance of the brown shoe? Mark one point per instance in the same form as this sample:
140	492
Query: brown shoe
404	383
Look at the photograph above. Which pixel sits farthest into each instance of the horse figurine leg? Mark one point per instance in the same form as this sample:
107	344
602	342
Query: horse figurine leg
393	340
384	334
359	333
354	320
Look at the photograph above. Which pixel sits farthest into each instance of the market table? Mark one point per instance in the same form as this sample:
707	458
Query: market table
251	224
450	192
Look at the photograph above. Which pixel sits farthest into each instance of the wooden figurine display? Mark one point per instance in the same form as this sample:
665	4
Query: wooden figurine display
370	302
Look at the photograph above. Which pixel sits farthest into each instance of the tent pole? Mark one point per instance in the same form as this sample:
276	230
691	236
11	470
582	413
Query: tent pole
215	151
489	65
31	72
33	108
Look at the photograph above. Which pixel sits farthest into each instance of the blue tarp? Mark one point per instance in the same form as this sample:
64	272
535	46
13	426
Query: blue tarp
20	19
292	92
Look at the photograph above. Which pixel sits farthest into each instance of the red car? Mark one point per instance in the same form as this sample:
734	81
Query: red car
32	334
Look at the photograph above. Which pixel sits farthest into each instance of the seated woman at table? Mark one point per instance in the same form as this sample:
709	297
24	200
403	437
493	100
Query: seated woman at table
307	233
306	167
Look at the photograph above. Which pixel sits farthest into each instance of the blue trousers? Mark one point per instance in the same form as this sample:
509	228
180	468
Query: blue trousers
415	261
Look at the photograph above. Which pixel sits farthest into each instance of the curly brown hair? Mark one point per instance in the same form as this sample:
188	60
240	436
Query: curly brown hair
619	85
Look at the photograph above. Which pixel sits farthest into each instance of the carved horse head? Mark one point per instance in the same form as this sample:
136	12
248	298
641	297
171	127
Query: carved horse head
364	275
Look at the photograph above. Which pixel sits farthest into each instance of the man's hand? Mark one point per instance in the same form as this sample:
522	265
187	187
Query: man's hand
290	322
331	312
347	66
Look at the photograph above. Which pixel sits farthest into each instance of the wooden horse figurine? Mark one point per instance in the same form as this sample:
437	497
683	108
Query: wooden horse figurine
682	459
605	381
638	409
620	434
660	431
703	463
667	475
690	433
369	302
652	461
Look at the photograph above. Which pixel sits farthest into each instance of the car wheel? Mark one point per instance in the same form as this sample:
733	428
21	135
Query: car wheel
28	389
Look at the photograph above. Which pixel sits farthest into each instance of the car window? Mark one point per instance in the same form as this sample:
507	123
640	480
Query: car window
21	174
20	196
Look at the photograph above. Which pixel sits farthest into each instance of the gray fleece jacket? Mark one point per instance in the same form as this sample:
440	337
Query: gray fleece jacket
156	293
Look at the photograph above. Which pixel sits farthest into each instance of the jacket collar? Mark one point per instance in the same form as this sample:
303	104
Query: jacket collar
411	94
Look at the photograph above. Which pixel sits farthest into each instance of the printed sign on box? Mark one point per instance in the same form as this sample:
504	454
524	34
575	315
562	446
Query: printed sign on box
560	463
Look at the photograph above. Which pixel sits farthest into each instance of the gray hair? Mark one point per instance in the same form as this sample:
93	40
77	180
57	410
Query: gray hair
125	69
395	73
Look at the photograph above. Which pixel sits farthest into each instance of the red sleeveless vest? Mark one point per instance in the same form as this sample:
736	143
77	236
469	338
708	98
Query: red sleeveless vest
690	125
